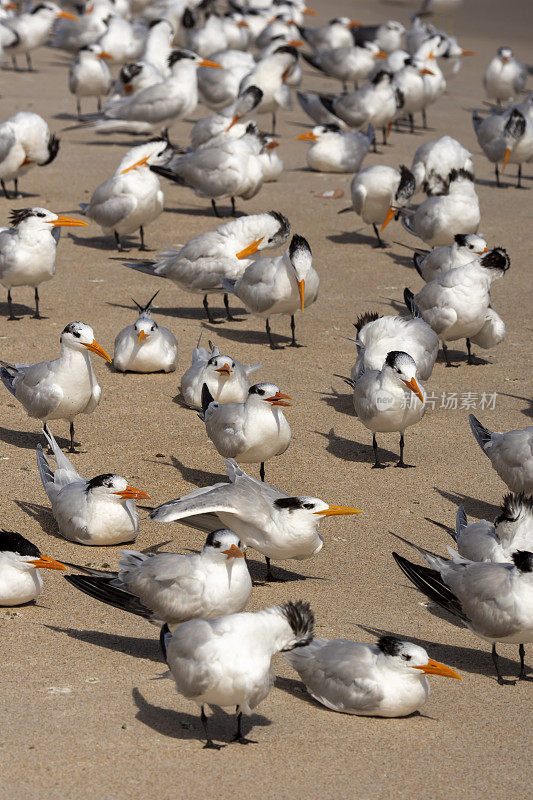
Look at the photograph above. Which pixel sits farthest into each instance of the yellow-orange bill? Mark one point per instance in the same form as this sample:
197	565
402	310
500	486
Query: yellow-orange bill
130	493
235	119
414	387
94	347
225	370
310	12
66	15
141	337
250	250
139	163
301	290
354	24
272	145
507	154
381	54
206	63
390	214
469	52
426	71
242	24
233	552
307	137
26	162
337	511
279	399
435	668
43	562
295	43
103	54
67	222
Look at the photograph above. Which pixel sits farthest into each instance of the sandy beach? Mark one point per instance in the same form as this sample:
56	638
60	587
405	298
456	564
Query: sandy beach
82	709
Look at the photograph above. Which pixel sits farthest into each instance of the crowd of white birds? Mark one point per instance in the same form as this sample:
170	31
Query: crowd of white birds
240	61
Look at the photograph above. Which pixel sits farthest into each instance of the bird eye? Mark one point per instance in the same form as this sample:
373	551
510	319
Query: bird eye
309	506
40	214
232	364
406	657
152	328
261	392
216	544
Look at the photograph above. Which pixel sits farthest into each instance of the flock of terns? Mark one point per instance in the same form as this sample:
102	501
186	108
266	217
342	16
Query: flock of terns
240	62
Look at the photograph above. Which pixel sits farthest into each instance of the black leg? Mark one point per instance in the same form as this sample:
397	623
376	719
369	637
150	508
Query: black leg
424	119
141	232
501	681
273	123
215	209
233	209
37	315
99	104
208	311
269	334
469	360
384	132
377	464
522	675
293	334
497	173
16	188
380	240
445	351
71	448
519	177
401	463
262	471
10	306
78	106
28	62
270	575
117	240
238	736
2	184
412	123
229	315
14	62
375	145
209	744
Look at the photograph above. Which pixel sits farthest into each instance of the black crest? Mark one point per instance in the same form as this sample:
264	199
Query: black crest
15	543
129	72
512	505
70	328
523	560
53	149
301	619
516	124
407	185
363	319
187	19
390	645
392	357
285	48
497	258
400	97
100	480
17	215
379	76
179	55
284	225
212	537
290	503
460	239
460	173
298	243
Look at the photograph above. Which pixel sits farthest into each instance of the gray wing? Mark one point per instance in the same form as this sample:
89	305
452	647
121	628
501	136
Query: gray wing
108	210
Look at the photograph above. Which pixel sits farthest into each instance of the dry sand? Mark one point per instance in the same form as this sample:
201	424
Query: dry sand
82	712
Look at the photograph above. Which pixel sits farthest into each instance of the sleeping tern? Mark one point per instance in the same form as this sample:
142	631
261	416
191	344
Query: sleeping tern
334	150
25	141
20	562
510	453
226	378
145	346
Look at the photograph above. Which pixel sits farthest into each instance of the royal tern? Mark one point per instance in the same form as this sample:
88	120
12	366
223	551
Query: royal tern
173	588
438	219
271	163
409	80
510	453
99	511
63	388
89	75
505	77
377	336
334	150
505	136
337	33
431	263
382	403
512	530
219	88
225	122
457	304
434	81
387	36
252	431
25	141
378	191
123	40
28	250
227	661
279	285
347	64
313	105
133	78
132	197
276	525
158	45
145	346
202	264
33	29
270	75
387	679
495	601
226	378
206	38
72	35
20	561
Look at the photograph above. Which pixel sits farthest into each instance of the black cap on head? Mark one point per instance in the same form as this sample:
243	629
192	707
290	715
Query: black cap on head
104	480
390	645
12	542
298	243
523	560
516	124
407	185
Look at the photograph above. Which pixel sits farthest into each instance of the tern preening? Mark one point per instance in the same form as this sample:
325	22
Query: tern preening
430	264
99	511
20	562
387	679
267	519
25	142
512	530
226	378
334	150
173	588
434	161
145	346
63	388
510	453
227	661
505	137
379	192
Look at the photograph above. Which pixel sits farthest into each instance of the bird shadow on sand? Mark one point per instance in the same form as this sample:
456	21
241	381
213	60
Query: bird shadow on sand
528	411
401	259
247	336
356	237
474	507
130	645
351	450
27	440
19	310
198	477
340	402
258	571
181	725
225	212
96	242
42	515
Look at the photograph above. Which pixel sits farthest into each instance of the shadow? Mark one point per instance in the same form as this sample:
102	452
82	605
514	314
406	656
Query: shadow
181	725
42	515
19	310
527	412
96	242
340	402
130	645
473	506
198	477
247	336
354	237
350	450
257	571
401	260
29	441
207	211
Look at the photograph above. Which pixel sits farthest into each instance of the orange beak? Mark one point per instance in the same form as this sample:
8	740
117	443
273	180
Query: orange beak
272	145
26	162
225	370
233	552
435	668
128	89
431	55
130	493
390	213
469	52
414	387
278	399
354	24
295	43
310	12
141	337
426	71
235	119
485	250
140	163
103	54
307	137
242	24
206	63
381	54
43	562
66	15
337	511
250	250
507	154
285	75
89	10
67	222
301	290
94	347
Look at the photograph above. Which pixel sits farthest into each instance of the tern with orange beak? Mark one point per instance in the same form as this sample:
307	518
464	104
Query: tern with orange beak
99	511
63	388
227	121
466	247
347	64
505	137
280	285
505	77
270	74
171	587
389	399
33	29
145	346
89	75
337	33
334	150
28	250
226	378
277	525
20	562
132	198
387	679
378	192
25	142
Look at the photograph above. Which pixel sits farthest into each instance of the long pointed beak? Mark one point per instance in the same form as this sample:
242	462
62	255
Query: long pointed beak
507	154
206	63
295	43
426	71
94	347
235	119
43	562
67	222
309	136
469	52
225	370
337	511
390	213
414	387
141	337
381	54
435	668
272	145
26	162
310	12
233	552
301	290
250	250
278	399
140	163
242	24
66	15
130	493
103	54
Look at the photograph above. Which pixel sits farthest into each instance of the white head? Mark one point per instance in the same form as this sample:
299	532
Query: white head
180	60
223	546
145	326
94	50
470	243
301	260
307	511
153	153
49	10
113	488
22	555
220	367
505	54
40	219
260	231
346	22
410	660
319	132
79	336
403	367
267	393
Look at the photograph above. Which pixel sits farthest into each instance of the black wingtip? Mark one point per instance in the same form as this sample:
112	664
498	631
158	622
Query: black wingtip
163	633
408	297
207	397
